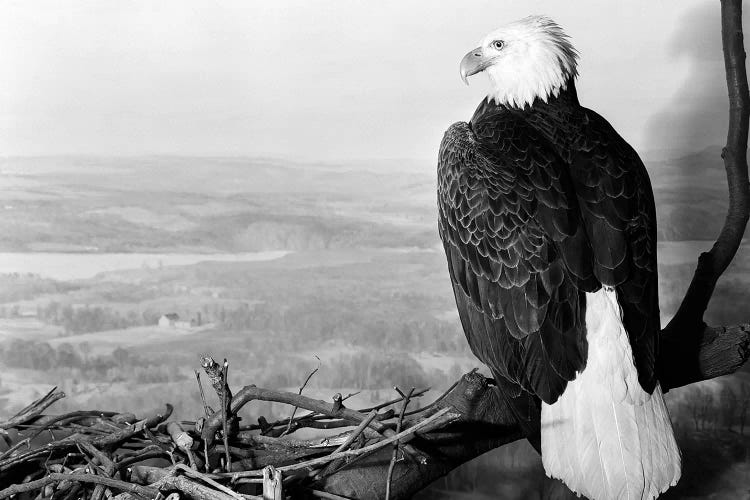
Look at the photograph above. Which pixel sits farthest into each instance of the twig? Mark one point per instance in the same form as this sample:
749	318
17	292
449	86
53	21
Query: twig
349	440
109	467
203	477
57	477
380	406
327	496
168	479
357	432
182	440
395	446
15	447
431	405
437	419
302	388
317	416
101	442
206	409
215	376
224	416
252	393
33	410
350	395
147	453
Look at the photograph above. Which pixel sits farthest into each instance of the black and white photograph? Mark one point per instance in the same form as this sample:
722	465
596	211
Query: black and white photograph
360	250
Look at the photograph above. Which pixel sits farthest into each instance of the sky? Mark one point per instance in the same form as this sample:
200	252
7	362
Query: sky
330	80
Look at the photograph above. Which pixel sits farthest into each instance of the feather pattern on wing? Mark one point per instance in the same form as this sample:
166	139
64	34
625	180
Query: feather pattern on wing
507	218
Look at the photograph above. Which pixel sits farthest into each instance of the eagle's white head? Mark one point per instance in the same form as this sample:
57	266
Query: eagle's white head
524	60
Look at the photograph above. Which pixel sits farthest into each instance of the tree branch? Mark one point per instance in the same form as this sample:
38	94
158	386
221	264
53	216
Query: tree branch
689	318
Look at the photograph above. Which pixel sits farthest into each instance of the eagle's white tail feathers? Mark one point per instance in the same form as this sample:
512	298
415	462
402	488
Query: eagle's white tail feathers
605	437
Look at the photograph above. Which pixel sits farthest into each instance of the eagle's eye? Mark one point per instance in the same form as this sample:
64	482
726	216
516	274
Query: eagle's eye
498	44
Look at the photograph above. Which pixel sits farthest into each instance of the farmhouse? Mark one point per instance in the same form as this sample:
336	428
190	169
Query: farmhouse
169	320
172	320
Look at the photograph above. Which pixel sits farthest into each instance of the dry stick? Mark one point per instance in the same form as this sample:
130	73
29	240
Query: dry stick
101	442
205	455
434	421
247	438
326	495
357	432
224	391
206	479
58	420
109	466
57	477
416	394
33	410
206	409
15	447
302	388
252	393
350	395
349	440
194	490
432	405
317	416
152	451
182	440
216	376
395	445
169	479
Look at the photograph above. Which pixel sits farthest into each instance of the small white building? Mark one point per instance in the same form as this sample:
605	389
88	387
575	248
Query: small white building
169	320
172	320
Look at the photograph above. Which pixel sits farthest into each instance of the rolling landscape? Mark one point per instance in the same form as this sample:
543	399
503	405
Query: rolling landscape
116	274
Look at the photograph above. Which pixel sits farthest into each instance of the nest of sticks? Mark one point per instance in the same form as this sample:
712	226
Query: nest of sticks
101	455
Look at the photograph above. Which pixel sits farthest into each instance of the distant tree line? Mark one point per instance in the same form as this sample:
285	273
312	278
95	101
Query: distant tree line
311	322
88	319
25	286
77	360
709	411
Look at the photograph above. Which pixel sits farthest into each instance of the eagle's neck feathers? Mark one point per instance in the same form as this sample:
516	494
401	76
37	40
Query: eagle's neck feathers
537	62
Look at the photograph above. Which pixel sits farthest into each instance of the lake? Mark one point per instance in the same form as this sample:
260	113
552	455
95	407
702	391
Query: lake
83	265
73	266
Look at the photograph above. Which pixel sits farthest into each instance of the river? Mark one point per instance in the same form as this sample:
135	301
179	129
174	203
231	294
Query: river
73	266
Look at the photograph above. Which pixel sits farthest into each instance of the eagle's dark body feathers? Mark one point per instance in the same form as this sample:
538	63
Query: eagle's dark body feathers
538	206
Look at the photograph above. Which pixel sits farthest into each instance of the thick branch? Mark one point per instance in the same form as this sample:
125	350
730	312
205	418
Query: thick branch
485	424
713	263
702	355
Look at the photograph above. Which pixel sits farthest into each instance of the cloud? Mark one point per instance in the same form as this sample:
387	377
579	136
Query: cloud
696	116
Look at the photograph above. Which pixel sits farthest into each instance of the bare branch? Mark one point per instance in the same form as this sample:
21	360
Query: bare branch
711	264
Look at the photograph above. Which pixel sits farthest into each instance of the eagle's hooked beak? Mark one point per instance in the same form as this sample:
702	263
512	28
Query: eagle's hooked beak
473	63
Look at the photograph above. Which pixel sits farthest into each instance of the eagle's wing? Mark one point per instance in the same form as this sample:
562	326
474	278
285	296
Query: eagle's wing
517	252
617	206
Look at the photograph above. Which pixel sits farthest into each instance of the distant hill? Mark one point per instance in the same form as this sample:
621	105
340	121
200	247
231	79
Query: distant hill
691	195
174	204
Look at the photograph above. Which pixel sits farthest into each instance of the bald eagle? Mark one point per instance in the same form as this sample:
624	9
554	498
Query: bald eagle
548	223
